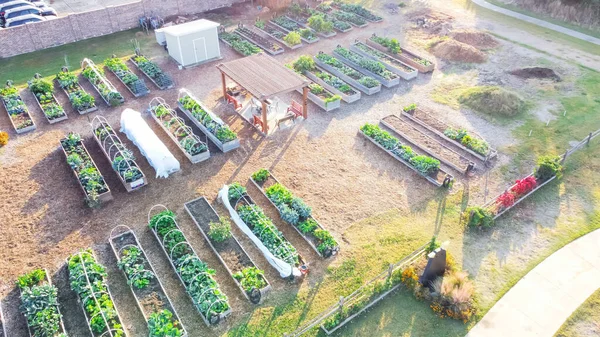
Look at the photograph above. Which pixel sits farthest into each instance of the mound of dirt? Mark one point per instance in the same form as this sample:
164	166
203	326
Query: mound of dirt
536	72
493	101
477	39
431	22
452	50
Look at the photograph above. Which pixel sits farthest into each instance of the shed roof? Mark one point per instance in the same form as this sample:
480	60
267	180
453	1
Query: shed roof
190	27
262	75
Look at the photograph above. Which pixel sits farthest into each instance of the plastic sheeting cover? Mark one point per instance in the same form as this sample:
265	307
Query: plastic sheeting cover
285	269
138	131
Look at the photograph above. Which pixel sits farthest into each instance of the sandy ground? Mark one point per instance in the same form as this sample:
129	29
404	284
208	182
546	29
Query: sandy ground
323	160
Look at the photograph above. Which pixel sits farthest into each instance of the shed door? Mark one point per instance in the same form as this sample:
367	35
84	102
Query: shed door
200	49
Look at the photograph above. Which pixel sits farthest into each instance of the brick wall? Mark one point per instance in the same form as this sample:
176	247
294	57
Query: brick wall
80	26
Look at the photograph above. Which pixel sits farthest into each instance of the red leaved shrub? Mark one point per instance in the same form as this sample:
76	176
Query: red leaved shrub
506	199
524	186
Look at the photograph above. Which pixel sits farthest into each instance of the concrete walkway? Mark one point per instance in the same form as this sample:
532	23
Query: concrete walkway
538	22
543	300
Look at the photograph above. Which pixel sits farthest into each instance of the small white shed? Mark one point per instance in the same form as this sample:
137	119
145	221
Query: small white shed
193	42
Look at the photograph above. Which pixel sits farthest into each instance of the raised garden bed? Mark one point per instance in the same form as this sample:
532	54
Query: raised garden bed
286	24
134	84
2	323
261	230
39	304
192	147
209	123
121	159
366	84
276	33
368	66
333	83
320	24
339	25
392	48
149	293
84	168
239	43
43	91
79	98
252	36
399	68
107	90
153	72
295	212
249	279
435	147
351	18
483	152
17	110
322	97
87	278
194	274
407	156
358	10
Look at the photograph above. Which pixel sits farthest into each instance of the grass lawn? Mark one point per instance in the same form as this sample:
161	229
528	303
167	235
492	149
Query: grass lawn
591	32
48	62
585	321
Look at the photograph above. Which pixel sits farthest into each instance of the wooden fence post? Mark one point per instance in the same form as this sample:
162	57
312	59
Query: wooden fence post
390	271
341	303
589	139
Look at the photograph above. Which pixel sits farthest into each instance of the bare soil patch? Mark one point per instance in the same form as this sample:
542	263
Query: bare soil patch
455	51
475	38
431	22
536	72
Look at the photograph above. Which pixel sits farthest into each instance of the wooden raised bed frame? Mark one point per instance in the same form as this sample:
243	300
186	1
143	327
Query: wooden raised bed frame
385	82
128	88
61	324
265	48
346	98
352	23
116	244
278	39
51	121
422	148
233	241
241	37
172	85
81	112
310	242
354	83
200	157
402	57
437	180
289	31
305	25
82	305
102	78
132	186
221	315
407	75
25	129
2	322
104	197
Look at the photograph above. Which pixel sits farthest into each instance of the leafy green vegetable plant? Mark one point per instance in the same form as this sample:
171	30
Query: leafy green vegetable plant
251	278
133	264
261	175
219	129
162	324
220	231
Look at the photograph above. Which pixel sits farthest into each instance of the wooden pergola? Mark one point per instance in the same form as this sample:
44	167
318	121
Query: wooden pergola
264	78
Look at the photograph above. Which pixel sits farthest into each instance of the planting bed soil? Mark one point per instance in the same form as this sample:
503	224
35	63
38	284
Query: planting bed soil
79	98
190	144
101	84
37	305
85	170
230	252
121	159
333	84
309	236
452	50
278	34
348	74
435	125
86	274
536	72
209	123
416	61
238	43
46	101
268	46
436	147
136	86
194	274
153	72
375	69
17	110
397	67
437	178
151	298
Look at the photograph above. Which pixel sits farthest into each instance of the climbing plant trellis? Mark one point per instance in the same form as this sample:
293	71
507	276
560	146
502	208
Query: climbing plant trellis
107	90
121	159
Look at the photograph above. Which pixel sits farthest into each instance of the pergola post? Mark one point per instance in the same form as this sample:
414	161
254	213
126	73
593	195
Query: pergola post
264	117
224	85
304	102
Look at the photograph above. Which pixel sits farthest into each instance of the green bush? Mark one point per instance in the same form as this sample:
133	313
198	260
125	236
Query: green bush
293	38
548	167
236	191
304	63
261	175
425	164
479	217
220	231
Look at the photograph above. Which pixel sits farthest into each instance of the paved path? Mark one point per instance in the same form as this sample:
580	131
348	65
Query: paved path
538	22
543	300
